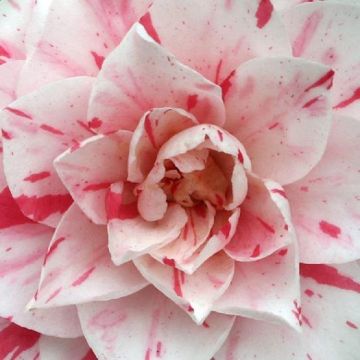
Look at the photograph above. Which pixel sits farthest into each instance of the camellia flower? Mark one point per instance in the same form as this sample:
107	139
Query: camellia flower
180	179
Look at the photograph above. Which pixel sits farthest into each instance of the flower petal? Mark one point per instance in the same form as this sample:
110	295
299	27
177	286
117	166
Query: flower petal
285	115
77	267
89	170
329	316
53	116
264	224
52	348
195	293
9	74
325	205
99	25
139	75
131	236
146	325
227	33
327	33
153	130
265	289
18	342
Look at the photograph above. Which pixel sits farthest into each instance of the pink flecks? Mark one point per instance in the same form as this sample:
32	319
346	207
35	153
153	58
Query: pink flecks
226	229
273	126
256	251
152	334
4	52
18	112
53	295
226	84
169	262
52	248
351	325
149	130
266	225
311	102
306	33
297	312
304	188
98	59
85	126
308	356
95	123
263	13
326	79
97	187
283	252
309	292
306	321
115	209
221	135
51	129
89	356
327	275
240	157
205	325
40	208
158	349
146	22
83	277
217	71
354	97
10	214
6	134
329	229
178	280
15	340
37	176
191	101
280	192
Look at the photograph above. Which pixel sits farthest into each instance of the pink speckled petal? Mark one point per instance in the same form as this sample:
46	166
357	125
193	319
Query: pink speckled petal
264	225
99	26
9	74
15	16
17	342
329	315
52	115
195	293
52	348
23	247
139	75
88	171
325	205
131	236
227	33
279	109
328	33
77	267
266	289
147	325
153	130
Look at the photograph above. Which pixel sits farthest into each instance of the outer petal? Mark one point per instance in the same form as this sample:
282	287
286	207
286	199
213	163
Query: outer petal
139	75
325	205
195	293
328	33
146	326
78	268
88	171
52	115
17	342
279	109
9	73
330	320
267	289
131	236
23	246
52	348
99	27
264	225
227	33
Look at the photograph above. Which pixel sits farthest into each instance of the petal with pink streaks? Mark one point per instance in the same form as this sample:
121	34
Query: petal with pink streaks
146	325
